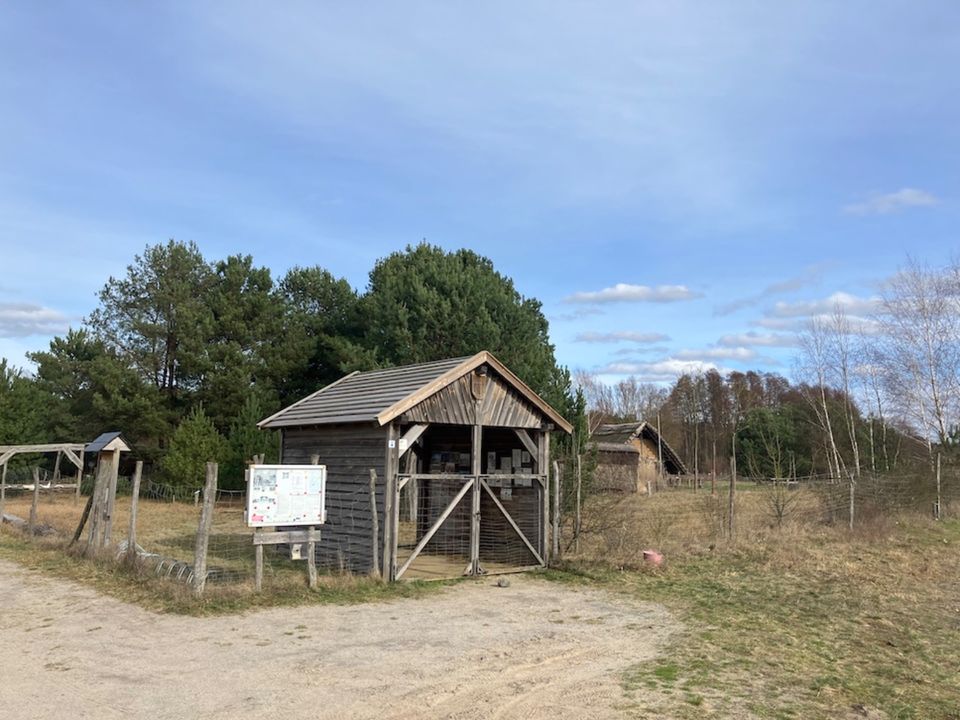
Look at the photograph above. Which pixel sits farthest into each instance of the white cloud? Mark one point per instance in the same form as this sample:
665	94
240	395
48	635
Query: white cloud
849	304
720	353
755	339
661	370
624	292
621	336
886	203
25	319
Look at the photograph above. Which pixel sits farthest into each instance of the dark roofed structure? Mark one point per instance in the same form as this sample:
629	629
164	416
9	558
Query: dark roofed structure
628	456
107	441
459	449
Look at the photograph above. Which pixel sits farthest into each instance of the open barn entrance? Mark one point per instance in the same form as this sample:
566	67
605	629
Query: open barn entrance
455	521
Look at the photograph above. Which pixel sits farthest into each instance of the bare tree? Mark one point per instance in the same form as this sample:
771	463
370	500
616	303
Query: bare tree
843	351
815	364
920	349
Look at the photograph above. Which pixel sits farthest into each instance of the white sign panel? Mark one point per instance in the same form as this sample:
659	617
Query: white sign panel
286	495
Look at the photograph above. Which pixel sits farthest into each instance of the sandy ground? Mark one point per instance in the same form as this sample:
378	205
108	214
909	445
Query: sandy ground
532	650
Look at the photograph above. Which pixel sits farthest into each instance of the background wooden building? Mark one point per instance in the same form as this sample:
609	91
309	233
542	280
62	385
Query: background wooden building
629	457
460	449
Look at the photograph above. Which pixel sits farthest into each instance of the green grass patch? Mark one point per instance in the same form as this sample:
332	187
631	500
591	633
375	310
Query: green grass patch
830	626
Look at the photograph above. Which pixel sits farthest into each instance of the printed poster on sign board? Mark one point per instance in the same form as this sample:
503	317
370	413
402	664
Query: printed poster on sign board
286	495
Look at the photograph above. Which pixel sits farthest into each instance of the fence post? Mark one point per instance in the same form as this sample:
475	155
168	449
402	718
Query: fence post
32	525
938	508
3	491
556	514
375	569
311	545
258	558
731	522
203	531
579	525
134	498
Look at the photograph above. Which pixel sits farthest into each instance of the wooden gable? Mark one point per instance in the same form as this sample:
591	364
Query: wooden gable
500	404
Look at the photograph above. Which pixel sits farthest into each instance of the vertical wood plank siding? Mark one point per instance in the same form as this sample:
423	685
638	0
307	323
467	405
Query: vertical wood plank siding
348	451
502	406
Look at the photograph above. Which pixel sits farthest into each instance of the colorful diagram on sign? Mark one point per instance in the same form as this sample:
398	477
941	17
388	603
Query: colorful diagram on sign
280	495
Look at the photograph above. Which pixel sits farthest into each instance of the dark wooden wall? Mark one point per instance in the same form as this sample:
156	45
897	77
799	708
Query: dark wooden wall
348	451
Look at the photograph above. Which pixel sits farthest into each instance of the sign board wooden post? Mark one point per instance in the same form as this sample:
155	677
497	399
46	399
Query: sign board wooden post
286	496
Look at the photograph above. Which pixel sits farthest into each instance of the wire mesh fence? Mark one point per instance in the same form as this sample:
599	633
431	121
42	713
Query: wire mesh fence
436	526
690	516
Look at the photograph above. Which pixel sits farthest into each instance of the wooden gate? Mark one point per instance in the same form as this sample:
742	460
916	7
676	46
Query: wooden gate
455	525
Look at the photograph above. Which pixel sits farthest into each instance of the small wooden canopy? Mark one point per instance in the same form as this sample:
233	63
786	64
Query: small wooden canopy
72	451
380	396
108	442
618	437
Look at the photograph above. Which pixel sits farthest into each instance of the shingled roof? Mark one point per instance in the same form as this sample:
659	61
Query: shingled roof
606	437
380	396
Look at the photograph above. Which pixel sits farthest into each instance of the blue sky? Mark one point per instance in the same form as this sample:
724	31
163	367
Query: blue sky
681	184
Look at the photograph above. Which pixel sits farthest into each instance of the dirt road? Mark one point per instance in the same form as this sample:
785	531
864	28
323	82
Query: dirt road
532	650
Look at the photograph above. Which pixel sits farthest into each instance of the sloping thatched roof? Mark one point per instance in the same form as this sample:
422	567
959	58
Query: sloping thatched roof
380	396
606	437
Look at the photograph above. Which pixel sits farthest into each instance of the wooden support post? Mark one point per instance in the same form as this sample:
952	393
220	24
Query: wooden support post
32	525
545	507
731	509
3	491
95	507
203	531
258	558
83	520
476	451
388	562
556	515
311	559
56	468
311	544
111	497
134	500
579	517
76	495
375	566
938	509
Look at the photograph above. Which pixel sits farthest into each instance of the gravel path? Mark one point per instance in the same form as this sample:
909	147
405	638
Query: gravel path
533	650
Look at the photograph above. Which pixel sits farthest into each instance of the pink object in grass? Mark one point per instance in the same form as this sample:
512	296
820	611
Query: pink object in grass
653	557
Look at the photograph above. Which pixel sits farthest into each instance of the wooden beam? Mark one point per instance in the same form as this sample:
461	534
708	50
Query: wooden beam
286	537
530	445
73	457
516	529
410	437
433	528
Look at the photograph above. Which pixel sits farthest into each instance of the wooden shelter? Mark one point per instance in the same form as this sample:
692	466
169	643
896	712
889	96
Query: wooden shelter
632	456
433	470
73	452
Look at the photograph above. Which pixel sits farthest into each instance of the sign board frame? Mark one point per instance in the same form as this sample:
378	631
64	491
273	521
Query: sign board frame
293	489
